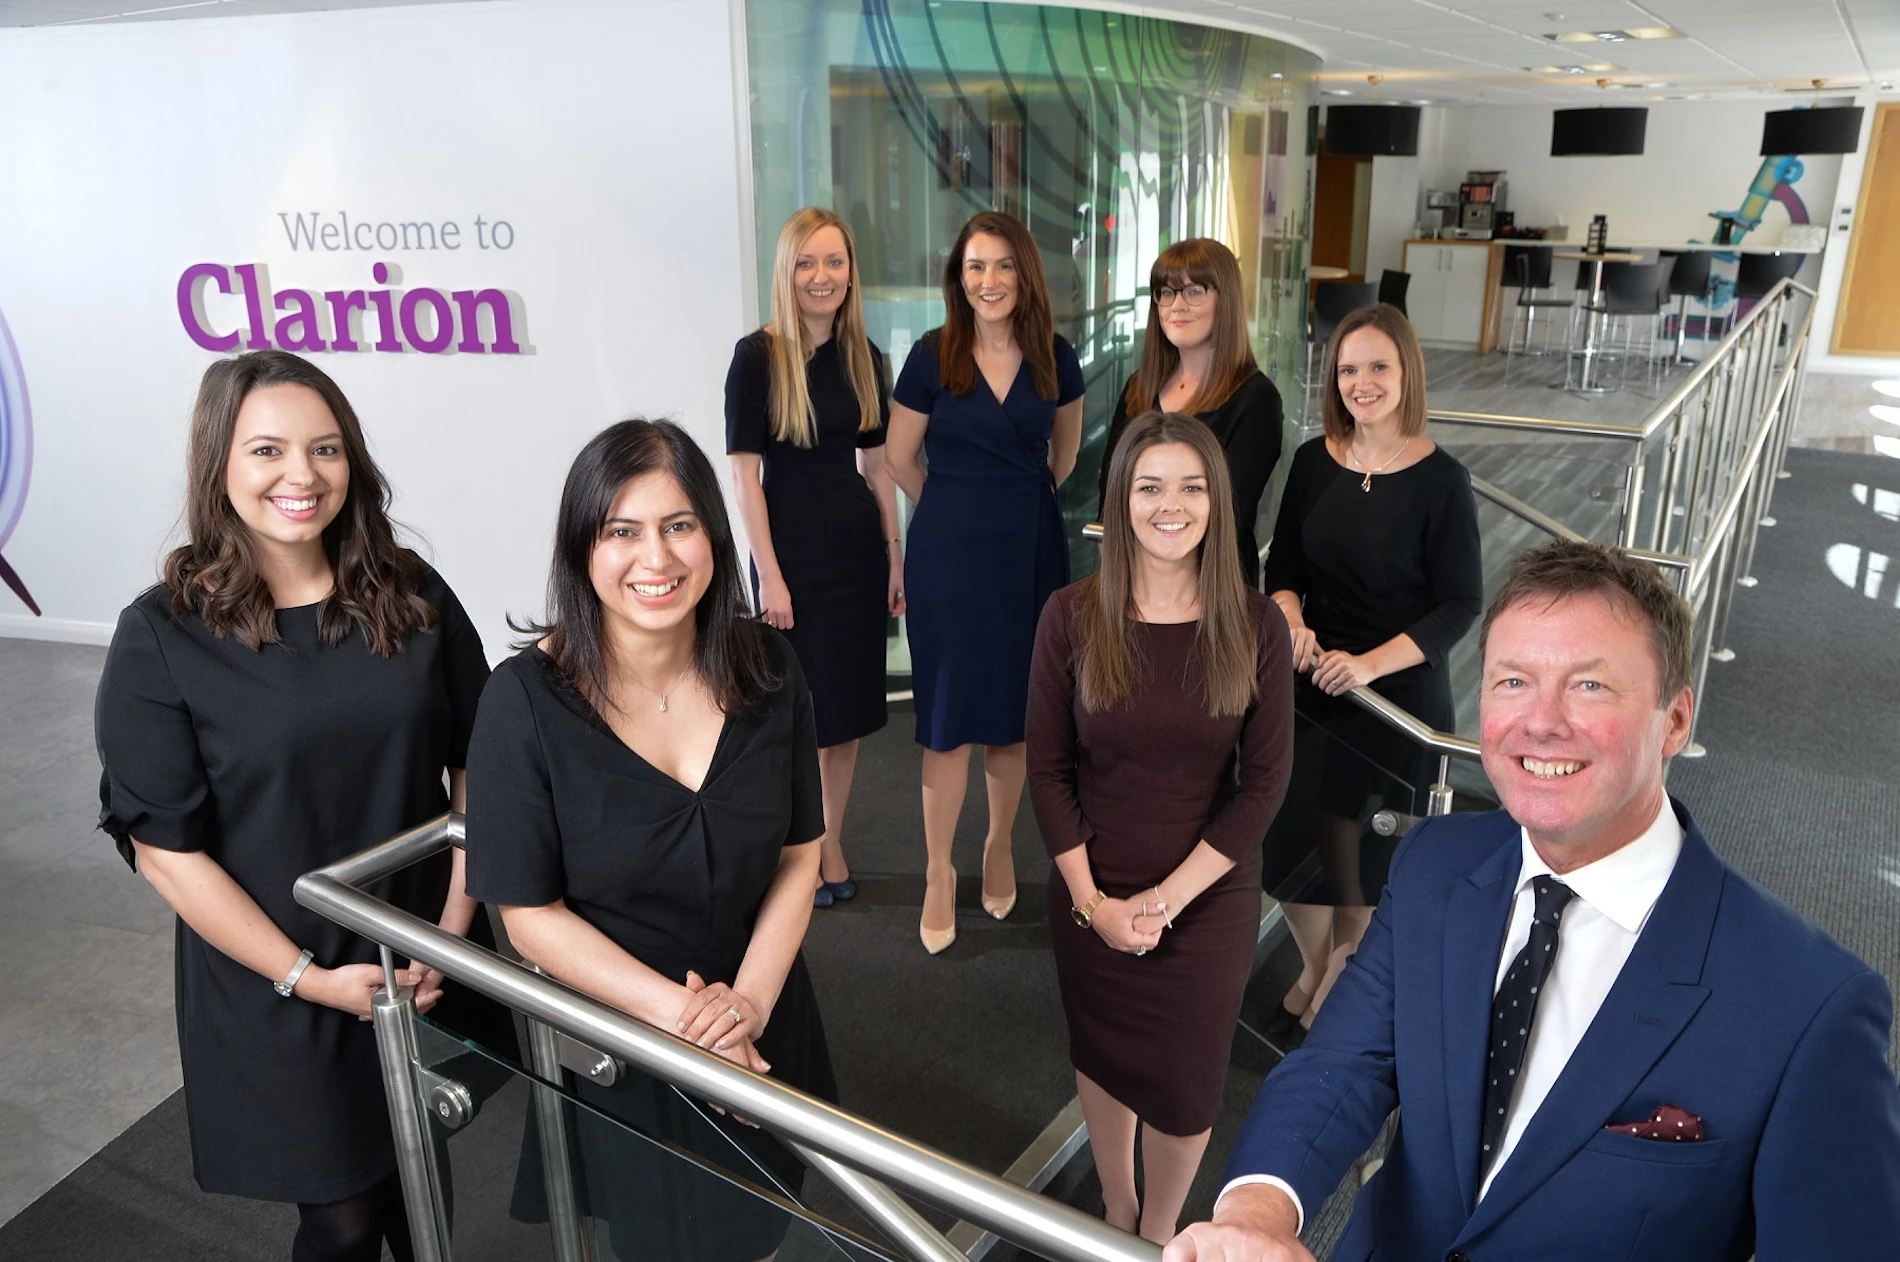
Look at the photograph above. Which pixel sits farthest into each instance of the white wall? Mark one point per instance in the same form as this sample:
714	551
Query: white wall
1699	156
603	133
1392	214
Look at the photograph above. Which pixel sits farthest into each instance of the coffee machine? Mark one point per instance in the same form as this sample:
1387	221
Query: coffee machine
1480	198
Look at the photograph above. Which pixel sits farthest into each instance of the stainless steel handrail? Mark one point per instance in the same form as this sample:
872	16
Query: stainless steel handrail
1518	508
1033	1222
1418	729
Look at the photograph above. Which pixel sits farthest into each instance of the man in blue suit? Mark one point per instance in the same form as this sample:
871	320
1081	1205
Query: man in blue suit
1606	1042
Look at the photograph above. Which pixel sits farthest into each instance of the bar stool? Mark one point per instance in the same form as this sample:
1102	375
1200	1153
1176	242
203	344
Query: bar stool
1392	287
1632	291
1756	274
1528	268
1333	301
1690	279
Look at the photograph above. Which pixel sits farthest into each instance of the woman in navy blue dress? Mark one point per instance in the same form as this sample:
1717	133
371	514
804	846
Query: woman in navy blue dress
993	401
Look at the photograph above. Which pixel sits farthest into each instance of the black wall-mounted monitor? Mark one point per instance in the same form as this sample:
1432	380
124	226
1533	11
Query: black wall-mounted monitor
1597	132
1379	130
1835	129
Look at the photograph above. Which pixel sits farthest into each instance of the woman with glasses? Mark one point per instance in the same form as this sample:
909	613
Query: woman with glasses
994	399
1196	359
805	411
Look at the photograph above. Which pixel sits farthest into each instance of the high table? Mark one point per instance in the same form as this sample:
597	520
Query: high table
1591	350
1322	271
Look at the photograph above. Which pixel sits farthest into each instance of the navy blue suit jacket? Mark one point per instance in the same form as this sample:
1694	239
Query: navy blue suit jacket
1731	1006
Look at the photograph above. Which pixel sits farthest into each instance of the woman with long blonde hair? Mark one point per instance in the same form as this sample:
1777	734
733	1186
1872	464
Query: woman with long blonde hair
1160	741
806	408
1196	359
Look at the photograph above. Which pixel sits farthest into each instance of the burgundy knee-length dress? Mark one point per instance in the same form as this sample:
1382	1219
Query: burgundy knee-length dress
1141	785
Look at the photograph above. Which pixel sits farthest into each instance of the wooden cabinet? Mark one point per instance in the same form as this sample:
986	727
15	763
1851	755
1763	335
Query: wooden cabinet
1450	300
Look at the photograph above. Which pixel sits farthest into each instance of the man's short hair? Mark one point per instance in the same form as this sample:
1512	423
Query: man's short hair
1567	568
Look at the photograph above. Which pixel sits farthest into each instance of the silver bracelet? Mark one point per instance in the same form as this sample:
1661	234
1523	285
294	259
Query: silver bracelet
288	986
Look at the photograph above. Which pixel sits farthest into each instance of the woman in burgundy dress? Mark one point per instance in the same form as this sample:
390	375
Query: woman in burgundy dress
1159	745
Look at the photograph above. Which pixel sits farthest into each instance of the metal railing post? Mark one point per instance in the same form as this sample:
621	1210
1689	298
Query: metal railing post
566	1229
902	1225
393	1014
1440	803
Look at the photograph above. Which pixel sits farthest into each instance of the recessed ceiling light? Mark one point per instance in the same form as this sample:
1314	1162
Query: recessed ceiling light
1886	87
1599	67
1421	102
1614	37
1335	91
1553	17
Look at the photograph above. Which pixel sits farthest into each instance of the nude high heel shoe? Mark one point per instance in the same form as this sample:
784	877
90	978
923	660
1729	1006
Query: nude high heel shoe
998	906
937	941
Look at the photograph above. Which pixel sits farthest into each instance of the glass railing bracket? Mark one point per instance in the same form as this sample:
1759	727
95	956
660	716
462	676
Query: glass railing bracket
589	1062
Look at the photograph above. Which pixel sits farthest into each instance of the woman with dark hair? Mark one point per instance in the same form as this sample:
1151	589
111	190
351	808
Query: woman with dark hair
1196	359
993	400
805	410
1376	566
644	807
290	693
1160	740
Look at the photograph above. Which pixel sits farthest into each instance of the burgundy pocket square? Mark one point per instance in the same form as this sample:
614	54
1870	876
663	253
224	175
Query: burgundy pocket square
1668	1123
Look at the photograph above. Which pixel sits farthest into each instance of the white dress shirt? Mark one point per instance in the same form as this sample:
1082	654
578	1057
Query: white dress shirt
1614	897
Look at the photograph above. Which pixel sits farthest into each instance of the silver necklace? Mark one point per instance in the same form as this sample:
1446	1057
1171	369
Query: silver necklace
669	688
1353	455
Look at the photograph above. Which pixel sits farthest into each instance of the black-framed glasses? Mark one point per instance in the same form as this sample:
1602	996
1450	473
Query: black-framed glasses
1193	295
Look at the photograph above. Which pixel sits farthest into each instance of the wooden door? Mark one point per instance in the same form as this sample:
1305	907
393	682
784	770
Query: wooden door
1333	217
1868	322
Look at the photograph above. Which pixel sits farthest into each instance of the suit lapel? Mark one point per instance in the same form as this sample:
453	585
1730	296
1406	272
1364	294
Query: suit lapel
1475	918
1654	997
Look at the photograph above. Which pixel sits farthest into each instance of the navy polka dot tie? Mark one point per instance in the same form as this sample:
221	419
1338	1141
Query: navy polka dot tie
1512	1010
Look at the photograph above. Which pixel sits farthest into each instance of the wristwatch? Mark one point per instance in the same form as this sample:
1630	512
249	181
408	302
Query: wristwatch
1084	914
288	986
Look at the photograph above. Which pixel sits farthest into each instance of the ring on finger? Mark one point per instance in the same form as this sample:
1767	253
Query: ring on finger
734	1014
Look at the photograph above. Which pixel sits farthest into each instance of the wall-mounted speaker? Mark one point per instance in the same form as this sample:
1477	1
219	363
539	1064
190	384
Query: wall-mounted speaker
1379	130
1597	132
1834	129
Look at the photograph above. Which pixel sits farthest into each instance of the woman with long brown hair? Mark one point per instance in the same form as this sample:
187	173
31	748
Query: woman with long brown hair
1196	359
1160	739
290	693
994	399
1376	566
805	413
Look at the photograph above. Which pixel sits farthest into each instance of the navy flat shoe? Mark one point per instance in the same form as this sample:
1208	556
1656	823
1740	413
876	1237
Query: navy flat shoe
830	892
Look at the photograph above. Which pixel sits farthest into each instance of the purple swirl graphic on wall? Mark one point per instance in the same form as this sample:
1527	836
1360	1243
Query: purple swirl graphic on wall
16	455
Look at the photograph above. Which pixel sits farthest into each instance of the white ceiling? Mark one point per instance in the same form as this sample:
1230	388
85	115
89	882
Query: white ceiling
1484	50
1454	51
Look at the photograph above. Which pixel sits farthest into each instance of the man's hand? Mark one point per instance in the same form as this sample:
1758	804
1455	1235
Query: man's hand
1253	1223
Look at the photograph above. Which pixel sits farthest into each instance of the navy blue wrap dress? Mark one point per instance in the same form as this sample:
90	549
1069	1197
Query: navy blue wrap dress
985	548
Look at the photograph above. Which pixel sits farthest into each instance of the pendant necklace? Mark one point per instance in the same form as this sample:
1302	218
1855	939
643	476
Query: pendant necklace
1365	485
669	688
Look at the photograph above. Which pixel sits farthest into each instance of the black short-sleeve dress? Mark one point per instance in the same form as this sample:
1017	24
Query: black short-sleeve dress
560	808
1401	557
276	762
827	531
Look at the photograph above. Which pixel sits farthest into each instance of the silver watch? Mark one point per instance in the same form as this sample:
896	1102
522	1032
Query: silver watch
288	986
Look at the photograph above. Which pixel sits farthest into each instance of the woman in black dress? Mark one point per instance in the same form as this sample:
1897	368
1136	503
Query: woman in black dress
1376	565
1196	359
1160	739
644	807
290	693
805	413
